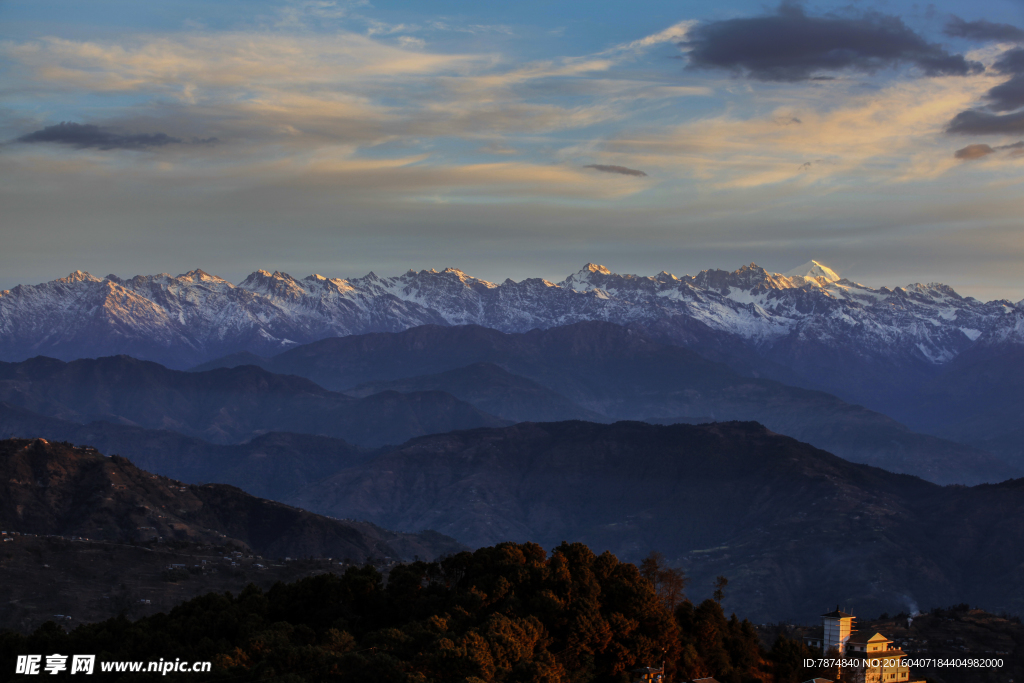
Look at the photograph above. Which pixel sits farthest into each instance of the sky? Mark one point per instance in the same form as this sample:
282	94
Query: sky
512	140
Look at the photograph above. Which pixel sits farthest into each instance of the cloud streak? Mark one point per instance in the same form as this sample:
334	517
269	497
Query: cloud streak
84	136
793	46
621	170
676	32
978	151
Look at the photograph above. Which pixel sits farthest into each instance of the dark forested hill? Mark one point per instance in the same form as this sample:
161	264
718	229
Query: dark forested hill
507	614
58	489
792	527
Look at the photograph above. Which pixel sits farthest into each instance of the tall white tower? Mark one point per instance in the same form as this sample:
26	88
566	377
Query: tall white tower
837	627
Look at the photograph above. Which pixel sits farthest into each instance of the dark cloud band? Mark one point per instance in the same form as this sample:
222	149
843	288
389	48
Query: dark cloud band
621	170
975	122
982	30
792	46
85	135
1009	95
1005	97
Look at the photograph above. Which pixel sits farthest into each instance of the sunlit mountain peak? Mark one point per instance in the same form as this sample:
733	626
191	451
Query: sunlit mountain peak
813	269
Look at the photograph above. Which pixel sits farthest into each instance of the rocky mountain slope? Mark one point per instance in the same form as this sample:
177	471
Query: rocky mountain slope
225	405
55	488
621	373
790	526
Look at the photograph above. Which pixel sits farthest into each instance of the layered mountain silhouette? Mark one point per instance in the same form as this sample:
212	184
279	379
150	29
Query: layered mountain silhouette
789	525
620	373
272	466
59	489
225	405
881	347
492	389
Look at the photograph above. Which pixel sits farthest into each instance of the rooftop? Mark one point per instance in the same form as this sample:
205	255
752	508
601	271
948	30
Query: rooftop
861	637
839	614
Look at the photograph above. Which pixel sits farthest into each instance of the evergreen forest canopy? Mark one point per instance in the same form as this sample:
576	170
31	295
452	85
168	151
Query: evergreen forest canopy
508	613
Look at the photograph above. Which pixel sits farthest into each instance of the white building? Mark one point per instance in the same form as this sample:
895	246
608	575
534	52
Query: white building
836	629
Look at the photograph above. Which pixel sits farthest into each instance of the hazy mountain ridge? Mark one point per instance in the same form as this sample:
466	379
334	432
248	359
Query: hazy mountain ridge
226	405
271	466
622	373
494	390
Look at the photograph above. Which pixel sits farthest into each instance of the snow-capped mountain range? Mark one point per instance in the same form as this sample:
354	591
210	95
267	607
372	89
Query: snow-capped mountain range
184	320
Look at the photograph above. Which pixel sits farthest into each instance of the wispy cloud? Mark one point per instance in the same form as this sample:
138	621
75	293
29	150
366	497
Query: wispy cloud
278	100
672	34
303	12
380	28
496	148
892	134
411	42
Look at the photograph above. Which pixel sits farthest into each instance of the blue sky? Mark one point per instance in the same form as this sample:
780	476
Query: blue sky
513	139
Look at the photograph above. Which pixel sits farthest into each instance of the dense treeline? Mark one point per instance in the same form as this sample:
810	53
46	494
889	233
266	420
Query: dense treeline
508	613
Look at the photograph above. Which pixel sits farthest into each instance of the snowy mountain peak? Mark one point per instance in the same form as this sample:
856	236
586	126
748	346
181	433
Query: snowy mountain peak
261	275
79	276
813	269
276	285
583	280
198	275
